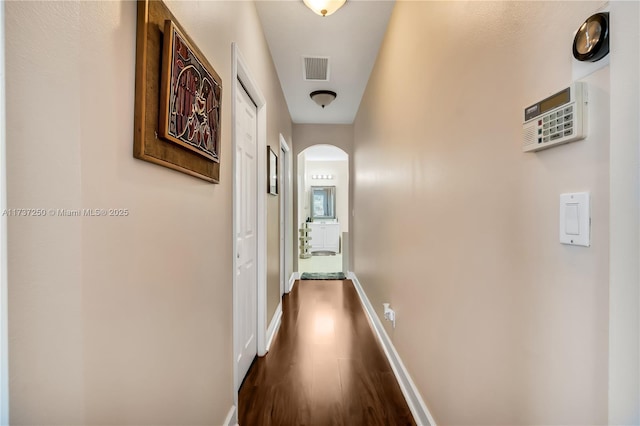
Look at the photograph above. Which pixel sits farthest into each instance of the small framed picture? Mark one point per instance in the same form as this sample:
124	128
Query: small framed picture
272	172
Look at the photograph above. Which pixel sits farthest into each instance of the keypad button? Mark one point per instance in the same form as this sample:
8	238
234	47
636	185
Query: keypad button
568	117
539	140
552	115
539	131
552	122
546	118
556	136
568	132
546	125
560	120
559	129
546	132
567	110
539	122
546	139
568	125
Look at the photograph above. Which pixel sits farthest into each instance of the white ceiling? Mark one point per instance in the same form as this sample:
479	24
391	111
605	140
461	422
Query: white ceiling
350	38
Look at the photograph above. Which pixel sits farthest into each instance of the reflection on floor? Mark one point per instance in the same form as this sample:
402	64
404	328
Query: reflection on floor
325	366
321	264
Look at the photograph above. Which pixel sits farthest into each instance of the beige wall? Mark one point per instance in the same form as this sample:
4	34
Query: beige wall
4	364
273	254
307	135
119	320
301	174
497	322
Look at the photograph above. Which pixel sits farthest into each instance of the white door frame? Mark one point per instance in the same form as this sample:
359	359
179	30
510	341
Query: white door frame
286	204
624	218
240	72
4	382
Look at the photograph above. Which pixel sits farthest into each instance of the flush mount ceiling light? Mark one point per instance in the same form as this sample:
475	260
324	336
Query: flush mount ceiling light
323	97
324	7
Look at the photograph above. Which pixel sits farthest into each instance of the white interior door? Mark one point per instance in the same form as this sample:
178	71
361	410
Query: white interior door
246	231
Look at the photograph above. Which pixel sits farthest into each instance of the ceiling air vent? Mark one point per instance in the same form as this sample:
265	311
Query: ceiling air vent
316	68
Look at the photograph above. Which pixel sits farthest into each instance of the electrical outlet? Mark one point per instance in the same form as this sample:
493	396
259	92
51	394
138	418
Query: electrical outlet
389	314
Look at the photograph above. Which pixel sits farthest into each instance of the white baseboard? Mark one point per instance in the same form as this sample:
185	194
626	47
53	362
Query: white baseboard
231	419
418	408
292	281
274	326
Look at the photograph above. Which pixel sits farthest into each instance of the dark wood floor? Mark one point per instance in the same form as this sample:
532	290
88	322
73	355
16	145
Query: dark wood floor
325	366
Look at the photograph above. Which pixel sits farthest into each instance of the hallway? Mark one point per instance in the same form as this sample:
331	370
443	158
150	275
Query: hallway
325	366
132	316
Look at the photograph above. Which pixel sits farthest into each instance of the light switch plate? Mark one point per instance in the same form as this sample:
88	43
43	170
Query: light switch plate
575	219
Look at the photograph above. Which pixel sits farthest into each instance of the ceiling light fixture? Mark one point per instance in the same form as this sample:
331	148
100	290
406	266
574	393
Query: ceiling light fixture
324	7
323	97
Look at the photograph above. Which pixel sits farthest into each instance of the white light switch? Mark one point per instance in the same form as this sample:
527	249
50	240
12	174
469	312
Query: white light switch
575	219
572	220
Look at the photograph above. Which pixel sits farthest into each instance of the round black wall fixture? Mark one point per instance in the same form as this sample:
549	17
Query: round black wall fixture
591	42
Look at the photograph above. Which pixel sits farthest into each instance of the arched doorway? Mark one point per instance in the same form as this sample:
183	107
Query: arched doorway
323	208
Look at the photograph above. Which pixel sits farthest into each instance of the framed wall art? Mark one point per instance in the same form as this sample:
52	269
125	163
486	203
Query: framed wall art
272	172
189	96
177	126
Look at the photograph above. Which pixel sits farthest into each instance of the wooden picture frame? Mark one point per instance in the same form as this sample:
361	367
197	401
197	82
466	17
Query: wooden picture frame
148	143
272	172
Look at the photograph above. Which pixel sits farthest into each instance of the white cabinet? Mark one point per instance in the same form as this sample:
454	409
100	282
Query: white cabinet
325	237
